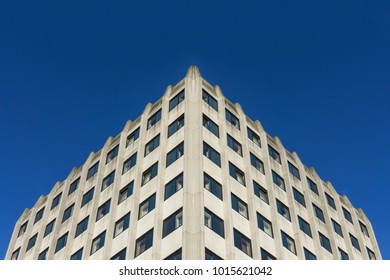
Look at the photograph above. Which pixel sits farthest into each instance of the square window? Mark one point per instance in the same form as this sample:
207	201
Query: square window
73	187
93	170
355	242
242	242
265	225
122	224
364	229
325	242
257	163
212	186
330	201
236	173
254	137
260	192
15	254
125	192
49	228
173	186
154	119
67	213
283	210
87	197
274	154
232	119
112	154
279	181
347	215
77	256
31	242
309	255
214	223
132	137
304	226
288	243
22	229
211	154
234	145
312	186
39	215
371	254
147	206
175	126
43	255
81	226
337	228
211	101
319	214
103	210
175	154
143	243
98	242
56	201
240	206
129	163
173	222
266	255
343	255
298	196
209	255
152	145
293	170
61	242
175	255
149	174
211	126
175	101
108	181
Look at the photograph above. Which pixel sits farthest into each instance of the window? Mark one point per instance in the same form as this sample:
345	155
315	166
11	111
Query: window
176	100
354	241
61	242
211	101
232	119
108	180
325	242
103	210
237	173
343	255
298	196
129	163
266	256
257	163
293	170
330	201
154	119
274	154
149	174
56	201
173	186
279	181
242	242
15	254
240	206
211	126
125	192
122	224
81	226
152	145
234	145
319	214
288	242
265	225
87	197
211	154
49	228
31	242
337	228
73	187
309	255
143	243
304	226
209	255
43	255
146	206
175	153
212	186
112	154
283	210
22	229
98	242
77	256
312	186
214	223
175	255
67	213
371	254
347	215
173	222
254	137
260	192
119	256
175	126
132	137
363	228
39	215
93	170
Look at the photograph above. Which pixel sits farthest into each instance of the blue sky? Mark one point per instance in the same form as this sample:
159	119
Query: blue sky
315	73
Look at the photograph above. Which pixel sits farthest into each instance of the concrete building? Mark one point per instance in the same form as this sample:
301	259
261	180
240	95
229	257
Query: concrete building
193	178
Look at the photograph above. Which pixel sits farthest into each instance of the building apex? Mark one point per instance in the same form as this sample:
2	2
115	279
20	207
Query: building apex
193	72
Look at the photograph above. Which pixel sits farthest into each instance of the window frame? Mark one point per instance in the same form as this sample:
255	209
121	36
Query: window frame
173	186
288	242
98	242
238	242
293	170
172	222
262	223
93	170
103	210
210	125
234	171
304	226
147	239
176	100
239	206
254	137
151	204
154	119
112	154
232	119
257	163
274	154
152	145
216	224
176	125
61	242
299	197
214	186
82	226
278	180
206	97
211	154
126	192
87	197
152	170
283	210
132	137
233	144
325	242
260	192
129	163
108	181
125	221
174	154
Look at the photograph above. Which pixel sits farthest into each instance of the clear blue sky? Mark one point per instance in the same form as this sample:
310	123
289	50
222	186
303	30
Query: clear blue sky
315	73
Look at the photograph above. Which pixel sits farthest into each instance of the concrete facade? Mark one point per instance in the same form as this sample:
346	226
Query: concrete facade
203	181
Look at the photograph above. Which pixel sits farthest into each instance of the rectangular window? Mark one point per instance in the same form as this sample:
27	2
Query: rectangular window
108	181
354	241
293	170
288	242
283	210
43	255
274	154
78	256
242	242
125	192
73	187
173	186
279	181
363	228
154	119
325	242
119	256
15	254
371	254
174	256
260	192
254	137
298	196
330	201
103	210
176	100
49	228
234	145
92	170
211	101
81	226
240	206
146	206
211	154
143	243
209	255
265	225
214	223
175	154
343	255
212	186
87	197
319	214
152	145
257	163
173	222
304	226
98	242
237	173
39	215
337	228
67	213
129	163
122	224
176	125
132	137
347	215
31	242
211	126
61	242
22	229
309	255
56	201
232	119
112	154
149	174
266	255
312	186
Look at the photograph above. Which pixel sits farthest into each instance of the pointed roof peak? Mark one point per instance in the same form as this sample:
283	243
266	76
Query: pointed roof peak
193	72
